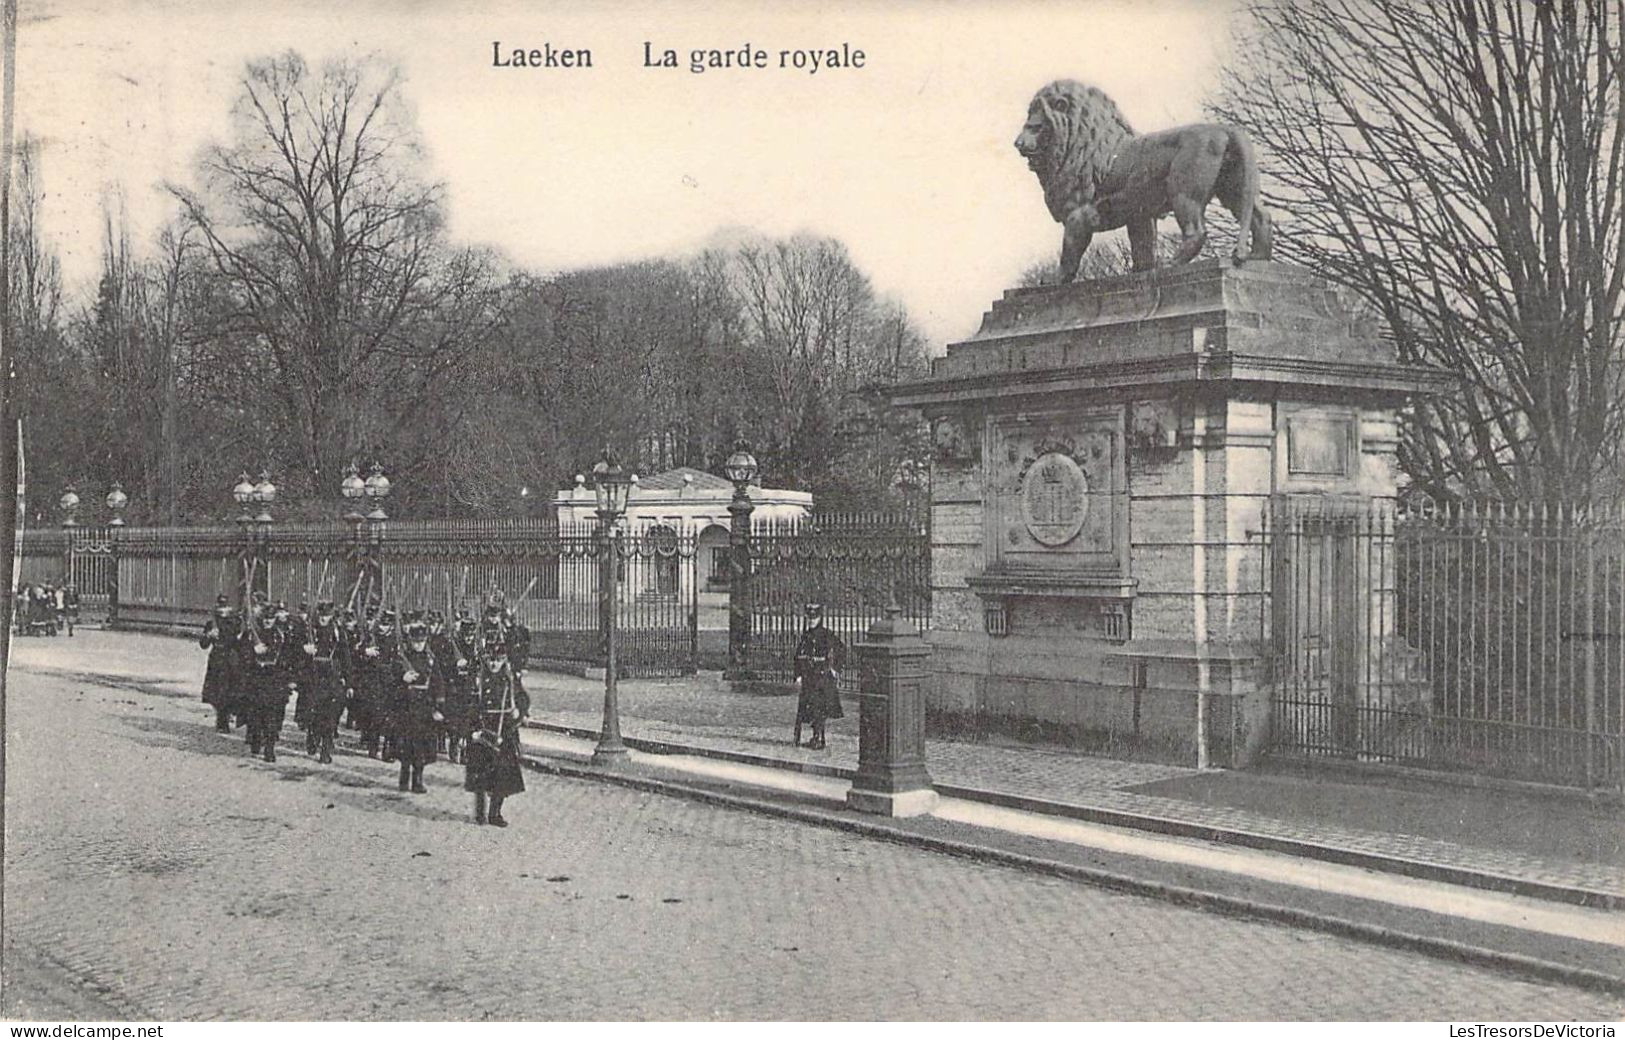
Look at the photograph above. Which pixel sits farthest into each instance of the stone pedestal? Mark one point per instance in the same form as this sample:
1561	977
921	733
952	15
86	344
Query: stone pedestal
891	778
1103	456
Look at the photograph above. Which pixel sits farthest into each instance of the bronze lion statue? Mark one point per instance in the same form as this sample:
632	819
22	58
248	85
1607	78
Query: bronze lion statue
1098	175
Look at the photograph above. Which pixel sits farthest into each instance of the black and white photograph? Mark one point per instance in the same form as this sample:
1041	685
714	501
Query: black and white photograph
873	511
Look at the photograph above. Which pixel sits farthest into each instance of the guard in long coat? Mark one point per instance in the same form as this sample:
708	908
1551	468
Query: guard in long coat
820	658
419	694
491	762
223	677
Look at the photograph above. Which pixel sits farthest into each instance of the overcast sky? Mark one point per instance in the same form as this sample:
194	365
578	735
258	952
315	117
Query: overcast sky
908	160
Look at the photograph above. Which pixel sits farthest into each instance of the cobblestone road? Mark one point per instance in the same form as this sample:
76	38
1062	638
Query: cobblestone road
172	876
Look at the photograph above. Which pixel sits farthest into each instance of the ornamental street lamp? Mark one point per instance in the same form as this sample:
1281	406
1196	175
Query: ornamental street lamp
740	468
256	529
353	488
68	503
364	552
264	494
612	486
116	501
377	488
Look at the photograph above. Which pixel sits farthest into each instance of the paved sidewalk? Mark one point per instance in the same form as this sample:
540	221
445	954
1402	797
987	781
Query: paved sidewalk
1572	848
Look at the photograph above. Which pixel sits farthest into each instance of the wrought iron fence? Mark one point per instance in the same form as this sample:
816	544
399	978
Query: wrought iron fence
1488	639
851	564
550	575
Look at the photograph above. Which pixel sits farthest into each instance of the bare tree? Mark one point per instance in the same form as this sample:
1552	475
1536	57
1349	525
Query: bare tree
1461	167
353	309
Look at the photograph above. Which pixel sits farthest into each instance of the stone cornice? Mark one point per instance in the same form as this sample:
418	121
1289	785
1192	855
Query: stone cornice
1184	370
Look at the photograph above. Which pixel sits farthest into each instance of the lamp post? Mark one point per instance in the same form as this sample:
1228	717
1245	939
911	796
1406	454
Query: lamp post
740	468
69	504
612	486
354	489
116	501
243	492
256	528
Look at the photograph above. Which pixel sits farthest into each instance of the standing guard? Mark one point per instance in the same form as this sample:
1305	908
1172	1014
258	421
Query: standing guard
328	682
491	763
221	680
820	656
416	715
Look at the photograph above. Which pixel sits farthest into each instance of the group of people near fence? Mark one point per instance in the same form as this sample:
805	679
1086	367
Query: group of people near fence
413	687
42	609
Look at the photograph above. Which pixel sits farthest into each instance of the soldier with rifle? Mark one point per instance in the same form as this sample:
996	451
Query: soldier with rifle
300	664
329	680
419	694
372	681
269	683
222	635
462	704
491	763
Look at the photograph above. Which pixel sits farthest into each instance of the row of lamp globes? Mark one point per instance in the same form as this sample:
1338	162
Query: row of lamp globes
115	501
249	494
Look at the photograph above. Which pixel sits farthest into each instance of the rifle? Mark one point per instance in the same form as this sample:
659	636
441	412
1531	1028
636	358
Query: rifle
354	590
321	583
522	595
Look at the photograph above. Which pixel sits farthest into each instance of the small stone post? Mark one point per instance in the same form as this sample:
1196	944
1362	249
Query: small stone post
891	778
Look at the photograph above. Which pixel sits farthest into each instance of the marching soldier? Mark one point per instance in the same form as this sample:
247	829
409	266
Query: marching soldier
419	696
462	703
820	656
328	681
354	639
491	763
270	682
372	681
300	664
221	635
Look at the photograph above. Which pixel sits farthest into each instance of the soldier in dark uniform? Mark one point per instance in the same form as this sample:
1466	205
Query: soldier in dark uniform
491	763
820	656
462	672
518	638
420	692
354	639
221	681
70	605
269	683
372	681
328	680
300	664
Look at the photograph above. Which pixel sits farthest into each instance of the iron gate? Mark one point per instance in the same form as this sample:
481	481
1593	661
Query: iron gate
851	564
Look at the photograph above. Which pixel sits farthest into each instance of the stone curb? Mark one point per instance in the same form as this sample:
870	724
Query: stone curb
1388	864
1446	949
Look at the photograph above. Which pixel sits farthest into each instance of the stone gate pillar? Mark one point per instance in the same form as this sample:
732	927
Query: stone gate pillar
1103	455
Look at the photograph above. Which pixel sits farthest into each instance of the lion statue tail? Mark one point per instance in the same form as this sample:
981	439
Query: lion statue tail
1252	220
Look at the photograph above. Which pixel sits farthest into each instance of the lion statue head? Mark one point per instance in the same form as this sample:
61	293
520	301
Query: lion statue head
1072	132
